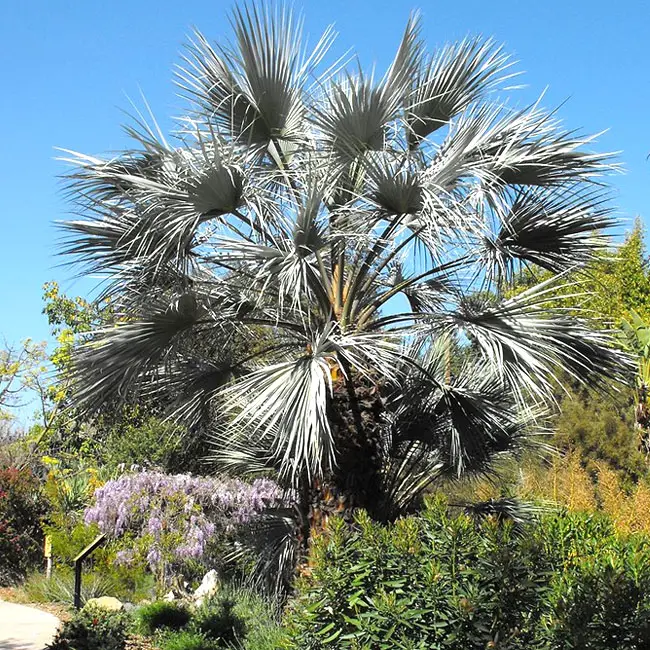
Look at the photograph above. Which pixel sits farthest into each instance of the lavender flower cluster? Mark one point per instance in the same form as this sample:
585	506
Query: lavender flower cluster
171	518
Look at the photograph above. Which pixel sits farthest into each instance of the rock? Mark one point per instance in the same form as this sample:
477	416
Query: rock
209	586
108	603
169	596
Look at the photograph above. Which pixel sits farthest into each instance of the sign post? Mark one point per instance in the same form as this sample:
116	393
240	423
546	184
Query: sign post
47	551
78	561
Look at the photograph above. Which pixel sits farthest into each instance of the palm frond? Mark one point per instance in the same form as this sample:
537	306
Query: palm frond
451	81
292	398
254	91
520	513
121	355
467	419
555	230
271	543
356	111
529	338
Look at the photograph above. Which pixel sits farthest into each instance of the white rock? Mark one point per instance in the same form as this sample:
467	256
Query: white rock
169	597
209	585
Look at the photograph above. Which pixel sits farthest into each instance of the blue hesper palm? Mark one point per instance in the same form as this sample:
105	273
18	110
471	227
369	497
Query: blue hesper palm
368	231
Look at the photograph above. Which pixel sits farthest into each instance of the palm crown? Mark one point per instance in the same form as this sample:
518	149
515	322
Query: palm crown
356	237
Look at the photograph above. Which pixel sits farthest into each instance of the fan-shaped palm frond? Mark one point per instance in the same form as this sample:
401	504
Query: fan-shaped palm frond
271	544
253	91
451	81
510	509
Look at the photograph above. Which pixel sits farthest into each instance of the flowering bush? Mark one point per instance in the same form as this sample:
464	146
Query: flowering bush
166	520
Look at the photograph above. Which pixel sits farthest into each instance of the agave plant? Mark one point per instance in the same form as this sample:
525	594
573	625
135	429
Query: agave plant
357	237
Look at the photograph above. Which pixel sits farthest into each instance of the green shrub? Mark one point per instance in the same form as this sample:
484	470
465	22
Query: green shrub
186	640
92	629
161	614
438	582
602	429
599	597
153	444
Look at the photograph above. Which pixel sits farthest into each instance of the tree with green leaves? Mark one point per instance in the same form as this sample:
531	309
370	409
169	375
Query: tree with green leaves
613	290
355	220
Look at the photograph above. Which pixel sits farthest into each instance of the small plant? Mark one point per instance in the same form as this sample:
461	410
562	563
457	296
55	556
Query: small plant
218	620
161	614
92	629
60	587
188	641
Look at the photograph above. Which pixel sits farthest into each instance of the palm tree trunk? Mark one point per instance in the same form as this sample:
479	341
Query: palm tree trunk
356	411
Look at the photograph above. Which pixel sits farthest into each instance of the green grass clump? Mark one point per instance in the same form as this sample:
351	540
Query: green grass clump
187	640
60	587
218	620
162	615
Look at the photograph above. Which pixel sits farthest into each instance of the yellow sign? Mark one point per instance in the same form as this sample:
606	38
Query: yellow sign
48	546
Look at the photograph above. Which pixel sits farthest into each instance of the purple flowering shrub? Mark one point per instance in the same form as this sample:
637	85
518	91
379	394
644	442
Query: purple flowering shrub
167	520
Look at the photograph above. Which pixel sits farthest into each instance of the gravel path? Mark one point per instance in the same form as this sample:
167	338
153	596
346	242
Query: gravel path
25	628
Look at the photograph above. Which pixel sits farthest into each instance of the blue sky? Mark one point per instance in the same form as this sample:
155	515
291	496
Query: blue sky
68	67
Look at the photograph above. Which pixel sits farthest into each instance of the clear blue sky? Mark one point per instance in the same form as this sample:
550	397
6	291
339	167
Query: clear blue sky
68	67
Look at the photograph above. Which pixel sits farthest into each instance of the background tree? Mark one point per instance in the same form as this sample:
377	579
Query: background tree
124	433
354	220
612	290
21	368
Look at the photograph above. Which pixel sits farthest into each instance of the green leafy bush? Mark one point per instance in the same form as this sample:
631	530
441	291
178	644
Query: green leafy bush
92	629
602	429
440	582
154	444
162	614
21	510
599	597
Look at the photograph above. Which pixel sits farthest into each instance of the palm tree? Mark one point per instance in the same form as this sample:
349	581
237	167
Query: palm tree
357	236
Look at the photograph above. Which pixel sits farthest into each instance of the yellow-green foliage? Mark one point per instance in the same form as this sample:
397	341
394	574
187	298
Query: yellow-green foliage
21	370
563	481
575	484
